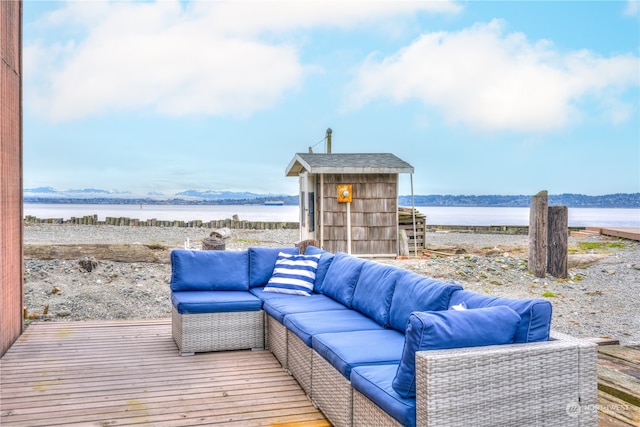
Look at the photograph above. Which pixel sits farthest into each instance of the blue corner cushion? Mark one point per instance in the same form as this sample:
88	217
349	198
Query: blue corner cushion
535	313
280	305
414	292
262	261
209	270
345	350
306	325
323	265
436	330
375	383
293	274
341	278
197	302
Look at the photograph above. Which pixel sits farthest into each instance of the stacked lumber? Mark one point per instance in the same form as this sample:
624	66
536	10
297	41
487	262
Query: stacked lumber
405	222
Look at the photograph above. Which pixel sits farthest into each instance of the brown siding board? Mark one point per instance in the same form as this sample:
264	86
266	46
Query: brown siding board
11	288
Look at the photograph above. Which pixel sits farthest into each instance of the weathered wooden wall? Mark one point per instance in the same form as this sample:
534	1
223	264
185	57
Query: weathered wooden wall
374	214
11	288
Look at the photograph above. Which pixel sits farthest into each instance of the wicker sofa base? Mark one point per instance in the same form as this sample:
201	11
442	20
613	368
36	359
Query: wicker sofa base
332	392
366	413
195	333
277	336
299	360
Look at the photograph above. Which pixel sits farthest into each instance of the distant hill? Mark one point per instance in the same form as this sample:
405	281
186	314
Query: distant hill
621	200
213	197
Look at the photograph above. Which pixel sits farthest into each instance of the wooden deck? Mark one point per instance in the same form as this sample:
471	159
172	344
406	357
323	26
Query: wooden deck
129	373
619	385
632	233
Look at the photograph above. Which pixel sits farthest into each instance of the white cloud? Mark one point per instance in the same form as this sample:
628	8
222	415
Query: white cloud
633	8
181	58
487	79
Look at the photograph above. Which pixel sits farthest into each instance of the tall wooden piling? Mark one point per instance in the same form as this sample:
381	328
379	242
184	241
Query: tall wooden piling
558	241
538	234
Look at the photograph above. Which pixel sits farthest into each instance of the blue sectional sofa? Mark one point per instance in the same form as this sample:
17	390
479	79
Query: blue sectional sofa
373	344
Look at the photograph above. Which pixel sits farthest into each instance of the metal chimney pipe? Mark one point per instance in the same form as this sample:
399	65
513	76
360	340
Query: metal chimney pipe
329	132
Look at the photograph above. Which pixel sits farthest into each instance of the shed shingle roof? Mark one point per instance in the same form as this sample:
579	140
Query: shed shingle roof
356	163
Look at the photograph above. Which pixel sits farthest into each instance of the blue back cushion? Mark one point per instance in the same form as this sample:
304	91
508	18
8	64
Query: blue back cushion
262	261
418	293
323	265
341	278
374	290
437	330
209	270
535	313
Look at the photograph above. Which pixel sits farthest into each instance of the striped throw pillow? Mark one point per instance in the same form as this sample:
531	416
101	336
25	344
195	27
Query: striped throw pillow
293	274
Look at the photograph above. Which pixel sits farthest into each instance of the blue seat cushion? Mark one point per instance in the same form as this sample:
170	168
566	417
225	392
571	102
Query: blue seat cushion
414	292
374	382
262	261
345	350
535	313
280	305
198	302
374	289
341	278
323	265
306	325
209	270
437	330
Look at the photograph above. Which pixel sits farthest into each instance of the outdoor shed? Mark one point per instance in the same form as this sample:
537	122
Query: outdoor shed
349	202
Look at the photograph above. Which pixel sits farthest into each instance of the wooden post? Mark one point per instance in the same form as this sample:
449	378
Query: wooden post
558	237
538	216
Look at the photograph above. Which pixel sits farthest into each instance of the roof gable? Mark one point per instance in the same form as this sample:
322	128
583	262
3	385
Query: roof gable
354	163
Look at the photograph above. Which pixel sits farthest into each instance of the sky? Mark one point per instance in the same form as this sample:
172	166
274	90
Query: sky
480	97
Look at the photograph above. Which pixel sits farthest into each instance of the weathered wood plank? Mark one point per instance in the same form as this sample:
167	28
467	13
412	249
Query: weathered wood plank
124	373
627	353
620	385
615	412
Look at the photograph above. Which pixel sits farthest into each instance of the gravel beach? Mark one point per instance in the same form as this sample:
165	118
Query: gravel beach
599	299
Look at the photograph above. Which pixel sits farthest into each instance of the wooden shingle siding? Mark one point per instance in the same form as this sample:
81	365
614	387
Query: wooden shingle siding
374	217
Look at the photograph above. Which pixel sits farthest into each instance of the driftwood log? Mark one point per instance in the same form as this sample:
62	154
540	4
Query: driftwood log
221	233
104	252
303	244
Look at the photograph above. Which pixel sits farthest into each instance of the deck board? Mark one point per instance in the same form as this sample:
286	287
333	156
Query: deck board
130	373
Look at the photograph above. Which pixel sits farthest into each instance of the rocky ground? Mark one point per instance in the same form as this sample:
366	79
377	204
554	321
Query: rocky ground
599	299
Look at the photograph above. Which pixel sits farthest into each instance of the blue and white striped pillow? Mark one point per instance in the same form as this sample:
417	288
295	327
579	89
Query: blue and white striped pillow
293	274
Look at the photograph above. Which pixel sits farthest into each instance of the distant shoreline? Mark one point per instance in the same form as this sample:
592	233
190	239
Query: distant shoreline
618	201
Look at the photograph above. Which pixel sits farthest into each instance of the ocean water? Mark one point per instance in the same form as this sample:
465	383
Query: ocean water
469	216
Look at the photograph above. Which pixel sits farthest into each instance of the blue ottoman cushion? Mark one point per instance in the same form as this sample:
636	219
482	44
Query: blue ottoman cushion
197	302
